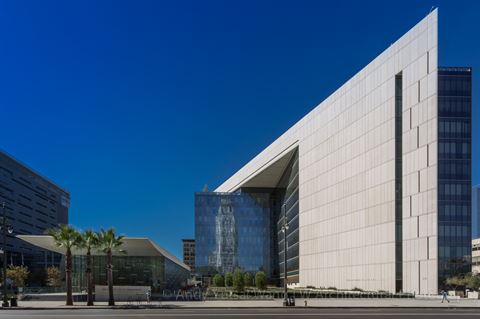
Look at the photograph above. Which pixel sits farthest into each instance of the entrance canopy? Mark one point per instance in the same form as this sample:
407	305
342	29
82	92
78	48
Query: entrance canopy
132	246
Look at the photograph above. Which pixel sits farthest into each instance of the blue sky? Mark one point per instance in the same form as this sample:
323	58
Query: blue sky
134	105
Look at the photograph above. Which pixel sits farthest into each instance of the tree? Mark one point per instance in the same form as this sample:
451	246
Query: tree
238	283
108	242
54	277
218	281
248	279
18	274
66	237
260	280
228	279
472	281
89	240
456	281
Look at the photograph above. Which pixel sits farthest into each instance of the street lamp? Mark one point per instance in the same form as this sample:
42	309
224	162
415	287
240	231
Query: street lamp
5	228
284	231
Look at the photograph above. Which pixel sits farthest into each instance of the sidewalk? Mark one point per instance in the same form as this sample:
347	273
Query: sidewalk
320	303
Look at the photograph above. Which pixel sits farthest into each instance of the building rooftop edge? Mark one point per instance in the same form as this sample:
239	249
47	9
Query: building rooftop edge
433	13
13	158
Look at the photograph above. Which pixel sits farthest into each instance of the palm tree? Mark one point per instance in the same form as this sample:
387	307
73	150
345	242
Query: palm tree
89	240
108	242
67	237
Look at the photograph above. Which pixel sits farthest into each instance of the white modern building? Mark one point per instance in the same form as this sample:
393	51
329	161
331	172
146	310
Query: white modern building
377	205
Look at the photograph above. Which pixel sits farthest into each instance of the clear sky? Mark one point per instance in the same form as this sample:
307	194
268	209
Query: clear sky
134	105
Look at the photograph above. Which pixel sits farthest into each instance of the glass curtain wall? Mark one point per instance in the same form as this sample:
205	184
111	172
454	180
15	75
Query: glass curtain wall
287	205
243	229
155	271
454	171
232	230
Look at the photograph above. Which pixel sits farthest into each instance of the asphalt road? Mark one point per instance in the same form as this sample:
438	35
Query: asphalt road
297	313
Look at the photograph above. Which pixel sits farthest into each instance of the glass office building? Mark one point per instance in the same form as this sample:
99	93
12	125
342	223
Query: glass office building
33	204
454	171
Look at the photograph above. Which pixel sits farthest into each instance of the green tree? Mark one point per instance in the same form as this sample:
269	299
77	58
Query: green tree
472	281
456	281
66	237
260	280
54	277
18	274
108	242
89	240
218	281
228	279
238	283
248	279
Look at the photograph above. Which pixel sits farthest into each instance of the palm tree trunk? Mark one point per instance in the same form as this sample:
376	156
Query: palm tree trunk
89	279
68	278
111	300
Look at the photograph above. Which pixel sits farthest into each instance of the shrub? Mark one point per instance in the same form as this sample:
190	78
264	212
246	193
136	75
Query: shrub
218	281
357	289
53	277
238	283
332	288
228	279
18	274
248	279
260	280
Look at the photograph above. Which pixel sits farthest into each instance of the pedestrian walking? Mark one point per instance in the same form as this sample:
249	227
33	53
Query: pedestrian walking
149	295
444	296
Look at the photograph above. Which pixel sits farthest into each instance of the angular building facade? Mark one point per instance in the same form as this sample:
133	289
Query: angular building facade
33	205
380	199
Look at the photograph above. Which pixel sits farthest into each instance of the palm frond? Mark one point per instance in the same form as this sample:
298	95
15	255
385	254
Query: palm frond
65	236
108	241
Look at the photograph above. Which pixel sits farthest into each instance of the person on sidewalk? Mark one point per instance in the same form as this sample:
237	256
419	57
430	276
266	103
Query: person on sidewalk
149	295
444	296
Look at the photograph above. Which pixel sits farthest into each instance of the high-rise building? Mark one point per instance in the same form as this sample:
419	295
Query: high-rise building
476	212
374	183
476	255
33	204
189	253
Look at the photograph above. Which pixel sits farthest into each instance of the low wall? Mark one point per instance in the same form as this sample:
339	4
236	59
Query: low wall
122	293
